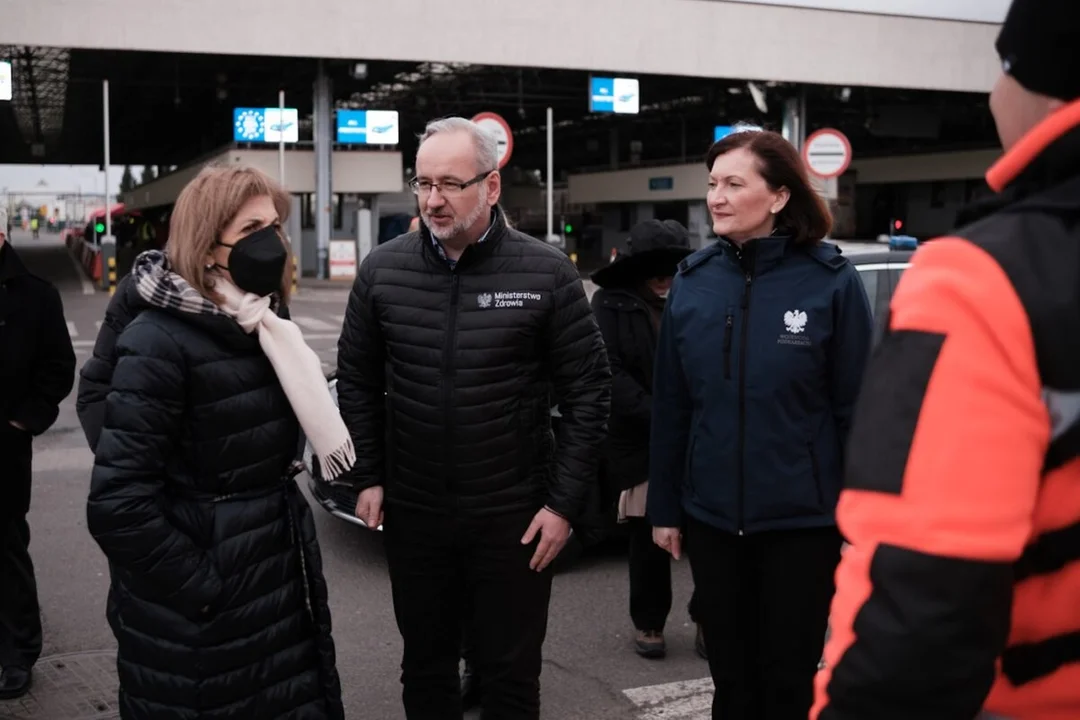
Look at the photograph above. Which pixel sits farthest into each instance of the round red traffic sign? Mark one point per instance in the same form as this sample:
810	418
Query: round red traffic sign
496	125
827	153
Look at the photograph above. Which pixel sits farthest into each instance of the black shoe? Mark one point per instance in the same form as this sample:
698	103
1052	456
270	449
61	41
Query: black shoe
650	644
14	682
699	644
470	687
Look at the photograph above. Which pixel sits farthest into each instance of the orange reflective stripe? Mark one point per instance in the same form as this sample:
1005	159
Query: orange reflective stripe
1005	170
972	475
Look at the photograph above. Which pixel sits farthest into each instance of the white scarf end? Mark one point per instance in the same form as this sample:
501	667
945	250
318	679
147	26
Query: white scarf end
338	462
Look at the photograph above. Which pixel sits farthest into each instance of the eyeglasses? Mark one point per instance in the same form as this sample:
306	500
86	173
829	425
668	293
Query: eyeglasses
446	188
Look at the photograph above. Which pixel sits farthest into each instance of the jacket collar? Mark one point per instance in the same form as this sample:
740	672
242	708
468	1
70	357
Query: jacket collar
758	255
11	266
1048	155
495	233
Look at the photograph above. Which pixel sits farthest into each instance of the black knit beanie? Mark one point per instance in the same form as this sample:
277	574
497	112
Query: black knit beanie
1039	45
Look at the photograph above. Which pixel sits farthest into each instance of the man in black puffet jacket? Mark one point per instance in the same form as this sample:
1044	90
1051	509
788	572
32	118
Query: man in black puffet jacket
458	340
37	371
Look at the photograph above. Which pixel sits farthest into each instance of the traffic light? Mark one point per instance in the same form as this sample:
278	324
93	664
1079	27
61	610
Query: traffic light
568	228
99	227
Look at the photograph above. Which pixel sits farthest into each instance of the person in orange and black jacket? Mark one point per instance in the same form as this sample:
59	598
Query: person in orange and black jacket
960	594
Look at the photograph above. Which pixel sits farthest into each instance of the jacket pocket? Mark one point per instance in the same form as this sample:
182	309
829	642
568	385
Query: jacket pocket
729	331
815	469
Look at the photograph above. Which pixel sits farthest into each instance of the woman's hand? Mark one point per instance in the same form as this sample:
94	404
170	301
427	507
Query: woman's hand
670	539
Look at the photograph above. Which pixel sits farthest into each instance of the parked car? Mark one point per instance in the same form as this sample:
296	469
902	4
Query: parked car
880	271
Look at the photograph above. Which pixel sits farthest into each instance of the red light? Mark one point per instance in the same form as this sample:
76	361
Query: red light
899	224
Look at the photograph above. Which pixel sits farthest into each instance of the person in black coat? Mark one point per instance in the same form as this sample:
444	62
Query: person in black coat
37	370
457	341
628	307
217	597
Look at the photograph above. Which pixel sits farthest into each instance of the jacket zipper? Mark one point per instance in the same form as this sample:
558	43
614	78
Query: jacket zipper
742	395
448	372
729	324
816	472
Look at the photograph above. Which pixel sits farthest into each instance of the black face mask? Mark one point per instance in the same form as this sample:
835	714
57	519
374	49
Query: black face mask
257	261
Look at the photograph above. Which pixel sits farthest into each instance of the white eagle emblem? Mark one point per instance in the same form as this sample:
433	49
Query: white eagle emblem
795	321
483	300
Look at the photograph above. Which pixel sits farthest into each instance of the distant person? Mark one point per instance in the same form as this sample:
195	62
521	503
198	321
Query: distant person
216	574
960	593
761	353
37	371
629	303
458	339
34	228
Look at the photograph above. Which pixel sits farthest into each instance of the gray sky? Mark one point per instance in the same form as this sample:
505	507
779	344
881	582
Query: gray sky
60	178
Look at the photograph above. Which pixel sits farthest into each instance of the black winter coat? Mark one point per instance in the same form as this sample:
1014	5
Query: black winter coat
630	336
95	378
471	360
37	370
212	550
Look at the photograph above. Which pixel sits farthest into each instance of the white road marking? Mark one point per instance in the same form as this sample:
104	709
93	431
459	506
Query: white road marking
97	324
683	700
87	283
72	332
310	323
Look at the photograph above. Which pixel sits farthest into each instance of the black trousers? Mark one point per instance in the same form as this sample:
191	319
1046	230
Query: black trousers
442	567
764	601
650	579
20	616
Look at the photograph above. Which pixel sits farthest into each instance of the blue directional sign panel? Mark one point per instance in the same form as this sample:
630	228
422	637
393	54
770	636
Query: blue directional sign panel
269	125
614	95
722	131
367	127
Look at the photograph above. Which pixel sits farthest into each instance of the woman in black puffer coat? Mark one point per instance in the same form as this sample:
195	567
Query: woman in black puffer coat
217	599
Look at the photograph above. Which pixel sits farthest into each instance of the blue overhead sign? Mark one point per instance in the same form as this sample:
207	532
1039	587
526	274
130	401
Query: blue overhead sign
614	95
258	125
367	127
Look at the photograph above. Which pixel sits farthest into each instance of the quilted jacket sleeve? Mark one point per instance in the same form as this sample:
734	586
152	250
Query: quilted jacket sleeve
95	378
582	383
142	415
361	381
54	369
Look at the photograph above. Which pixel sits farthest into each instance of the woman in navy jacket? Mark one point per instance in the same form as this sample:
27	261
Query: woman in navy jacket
759	361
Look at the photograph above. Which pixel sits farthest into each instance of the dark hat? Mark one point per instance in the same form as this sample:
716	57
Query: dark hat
1039	45
653	249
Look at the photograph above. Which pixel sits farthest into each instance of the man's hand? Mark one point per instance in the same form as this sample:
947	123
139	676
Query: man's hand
369	507
669	539
554	532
